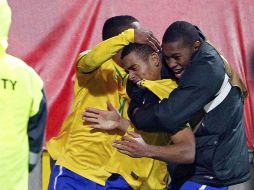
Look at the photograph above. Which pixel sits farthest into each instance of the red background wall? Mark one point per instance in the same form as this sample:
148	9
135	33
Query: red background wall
48	35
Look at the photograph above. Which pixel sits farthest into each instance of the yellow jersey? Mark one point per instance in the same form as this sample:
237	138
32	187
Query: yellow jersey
89	152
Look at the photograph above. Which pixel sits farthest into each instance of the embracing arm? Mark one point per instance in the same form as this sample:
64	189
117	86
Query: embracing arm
90	60
182	149
197	87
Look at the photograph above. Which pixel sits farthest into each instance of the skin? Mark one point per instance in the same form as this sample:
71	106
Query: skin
177	55
182	149
138	69
141	36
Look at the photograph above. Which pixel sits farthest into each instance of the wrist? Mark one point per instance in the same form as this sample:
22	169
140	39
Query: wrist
123	124
149	151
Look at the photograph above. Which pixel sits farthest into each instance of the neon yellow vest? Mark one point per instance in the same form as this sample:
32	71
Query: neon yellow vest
20	97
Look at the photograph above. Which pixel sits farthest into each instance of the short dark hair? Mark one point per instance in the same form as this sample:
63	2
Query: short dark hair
142	50
117	24
181	30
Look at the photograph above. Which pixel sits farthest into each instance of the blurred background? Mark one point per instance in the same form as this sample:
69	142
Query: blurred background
48	35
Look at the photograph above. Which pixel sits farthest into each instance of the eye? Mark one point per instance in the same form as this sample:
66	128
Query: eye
166	58
177	57
135	68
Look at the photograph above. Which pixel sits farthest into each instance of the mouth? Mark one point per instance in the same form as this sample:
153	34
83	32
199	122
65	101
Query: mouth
178	72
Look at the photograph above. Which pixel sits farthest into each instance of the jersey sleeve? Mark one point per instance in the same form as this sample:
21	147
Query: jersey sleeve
91	60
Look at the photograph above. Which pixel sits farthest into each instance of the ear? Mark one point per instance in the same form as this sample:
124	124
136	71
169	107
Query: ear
196	45
154	59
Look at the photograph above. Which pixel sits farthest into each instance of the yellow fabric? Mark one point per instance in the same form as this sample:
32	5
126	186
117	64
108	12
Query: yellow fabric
89	152
161	88
20	95
45	170
104	51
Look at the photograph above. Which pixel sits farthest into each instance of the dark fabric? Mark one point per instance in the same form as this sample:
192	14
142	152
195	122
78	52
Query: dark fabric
139	96
36	127
221	152
198	85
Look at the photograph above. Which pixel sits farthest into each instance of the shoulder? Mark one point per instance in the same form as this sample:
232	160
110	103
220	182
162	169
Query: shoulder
18	66
206	71
206	64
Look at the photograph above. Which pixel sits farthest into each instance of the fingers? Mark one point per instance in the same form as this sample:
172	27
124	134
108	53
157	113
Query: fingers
90	115
92	120
153	42
94	110
144	36
122	145
98	126
110	106
125	147
126	152
128	139
133	134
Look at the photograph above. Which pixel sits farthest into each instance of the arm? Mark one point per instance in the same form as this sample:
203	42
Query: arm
89	61
182	149
36	129
37	119
194	92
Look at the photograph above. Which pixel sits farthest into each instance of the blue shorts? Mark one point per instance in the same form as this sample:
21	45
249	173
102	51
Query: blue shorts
190	185
64	179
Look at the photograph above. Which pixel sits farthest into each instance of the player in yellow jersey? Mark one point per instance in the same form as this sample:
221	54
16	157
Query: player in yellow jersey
144	67
85	158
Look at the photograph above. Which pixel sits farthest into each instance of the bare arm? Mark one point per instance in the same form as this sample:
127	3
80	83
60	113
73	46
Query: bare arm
90	60
181	151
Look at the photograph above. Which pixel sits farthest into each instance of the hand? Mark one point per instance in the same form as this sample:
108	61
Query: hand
142	36
132	145
101	119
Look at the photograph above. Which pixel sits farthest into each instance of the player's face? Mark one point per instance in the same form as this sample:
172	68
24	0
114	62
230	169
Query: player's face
177	56
139	69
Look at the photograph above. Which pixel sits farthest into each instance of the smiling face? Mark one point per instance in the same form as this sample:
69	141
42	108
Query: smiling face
177	55
140	68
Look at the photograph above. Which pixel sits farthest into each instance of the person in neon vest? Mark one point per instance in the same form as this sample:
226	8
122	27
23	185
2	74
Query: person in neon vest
23	113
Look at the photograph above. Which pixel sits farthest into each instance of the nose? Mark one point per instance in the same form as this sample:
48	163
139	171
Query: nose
131	76
171	63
